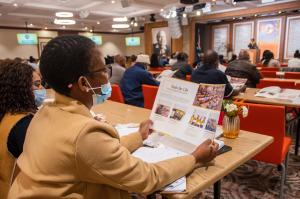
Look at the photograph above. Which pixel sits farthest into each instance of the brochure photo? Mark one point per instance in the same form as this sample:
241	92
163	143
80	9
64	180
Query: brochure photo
236	83
186	110
276	92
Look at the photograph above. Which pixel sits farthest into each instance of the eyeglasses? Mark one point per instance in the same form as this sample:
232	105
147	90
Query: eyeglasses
107	70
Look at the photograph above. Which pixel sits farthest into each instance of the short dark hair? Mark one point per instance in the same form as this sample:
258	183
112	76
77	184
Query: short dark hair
16	88
297	54
64	59
210	58
182	57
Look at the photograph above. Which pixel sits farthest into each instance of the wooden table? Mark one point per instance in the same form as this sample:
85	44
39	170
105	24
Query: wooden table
248	96
246	146
154	73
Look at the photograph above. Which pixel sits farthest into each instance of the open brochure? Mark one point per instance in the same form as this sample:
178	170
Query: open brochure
236	83
186	114
276	92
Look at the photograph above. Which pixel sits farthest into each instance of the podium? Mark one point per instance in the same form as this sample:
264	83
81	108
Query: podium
254	55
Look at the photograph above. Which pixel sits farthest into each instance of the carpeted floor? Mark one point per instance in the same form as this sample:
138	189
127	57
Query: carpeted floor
258	180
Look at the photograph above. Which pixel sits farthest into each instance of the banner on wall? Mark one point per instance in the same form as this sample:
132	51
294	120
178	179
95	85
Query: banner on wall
268	35
292	37
242	34
221	39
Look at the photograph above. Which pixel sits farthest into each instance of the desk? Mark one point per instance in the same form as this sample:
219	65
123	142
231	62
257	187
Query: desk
248	96
246	146
154	73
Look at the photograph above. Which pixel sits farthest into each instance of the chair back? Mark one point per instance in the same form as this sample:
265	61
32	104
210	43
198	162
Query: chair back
149	93
281	83
269	69
268	73
116	94
267	120
292	75
188	77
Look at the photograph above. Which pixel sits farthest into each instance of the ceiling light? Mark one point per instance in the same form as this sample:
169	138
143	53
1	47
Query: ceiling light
85	28
15	4
46	28
113	1
135	24
161	10
31	24
63	27
98	22
91	30
132	22
64	14
64	21
233	18
120	26
255	15
120	19
0	14
198	13
279	12
184	15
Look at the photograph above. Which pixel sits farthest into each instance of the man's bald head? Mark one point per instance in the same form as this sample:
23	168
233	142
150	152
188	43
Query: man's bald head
244	55
211	58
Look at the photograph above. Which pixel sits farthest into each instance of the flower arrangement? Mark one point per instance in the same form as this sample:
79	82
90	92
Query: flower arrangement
233	110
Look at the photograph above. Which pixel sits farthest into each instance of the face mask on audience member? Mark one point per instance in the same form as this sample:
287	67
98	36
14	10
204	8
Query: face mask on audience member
39	96
105	93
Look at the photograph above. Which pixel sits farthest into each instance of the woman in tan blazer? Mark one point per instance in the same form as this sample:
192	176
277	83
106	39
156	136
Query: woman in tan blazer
69	154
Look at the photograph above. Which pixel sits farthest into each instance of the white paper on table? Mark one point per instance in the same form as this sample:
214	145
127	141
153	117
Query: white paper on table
126	129
177	186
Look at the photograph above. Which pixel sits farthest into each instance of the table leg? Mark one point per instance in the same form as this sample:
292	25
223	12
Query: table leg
217	190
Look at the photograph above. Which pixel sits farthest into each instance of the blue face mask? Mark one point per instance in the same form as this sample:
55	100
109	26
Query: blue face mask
105	93
39	96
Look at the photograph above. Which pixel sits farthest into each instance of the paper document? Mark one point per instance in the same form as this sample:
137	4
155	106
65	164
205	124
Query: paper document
236	83
177	186
275	92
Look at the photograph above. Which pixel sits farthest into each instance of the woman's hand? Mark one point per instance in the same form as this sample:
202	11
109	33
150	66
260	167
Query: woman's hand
206	152
146	129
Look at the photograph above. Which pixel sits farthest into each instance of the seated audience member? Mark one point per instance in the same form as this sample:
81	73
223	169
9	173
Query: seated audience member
182	66
163	60
234	57
69	154
18	81
222	60
221	66
154	61
173	58
264	55
243	68
117	69
32	62
295	62
208	73
133	78
269	60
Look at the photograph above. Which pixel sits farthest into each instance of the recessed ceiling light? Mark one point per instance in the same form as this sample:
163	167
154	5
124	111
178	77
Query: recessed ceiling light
31	24
64	21
120	19
15	4
120	26
46	28
91	30
161	10
113	1
98	22
198	13
184	15
85	28
135	24
279	12
233	18
255	15
63	27
0	14
64	14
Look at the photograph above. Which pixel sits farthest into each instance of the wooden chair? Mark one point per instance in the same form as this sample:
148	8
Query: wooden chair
149	93
269	69
282	84
270	120
116	94
292	75
269	74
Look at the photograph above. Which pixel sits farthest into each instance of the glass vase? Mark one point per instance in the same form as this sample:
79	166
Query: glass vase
231	126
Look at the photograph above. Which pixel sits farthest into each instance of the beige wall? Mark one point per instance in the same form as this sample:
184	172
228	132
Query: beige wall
9	48
112	44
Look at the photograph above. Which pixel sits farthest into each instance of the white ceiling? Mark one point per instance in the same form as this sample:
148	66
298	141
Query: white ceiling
41	13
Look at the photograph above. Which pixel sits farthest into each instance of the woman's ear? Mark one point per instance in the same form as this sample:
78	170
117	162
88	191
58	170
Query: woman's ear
83	84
